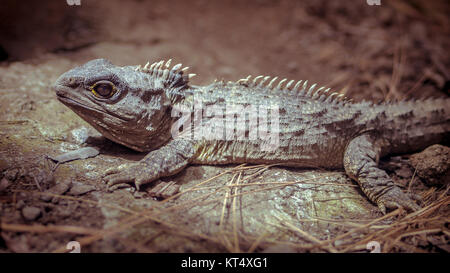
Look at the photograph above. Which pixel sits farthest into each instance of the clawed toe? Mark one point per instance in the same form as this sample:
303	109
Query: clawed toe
394	199
118	186
110	171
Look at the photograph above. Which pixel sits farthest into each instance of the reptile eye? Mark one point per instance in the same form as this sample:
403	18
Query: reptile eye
103	90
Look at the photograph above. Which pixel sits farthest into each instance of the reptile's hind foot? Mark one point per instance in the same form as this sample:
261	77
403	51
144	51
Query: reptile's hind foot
128	173
360	163
395	198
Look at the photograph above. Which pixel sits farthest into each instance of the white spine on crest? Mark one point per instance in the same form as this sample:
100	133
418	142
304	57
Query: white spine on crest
311	90
168	63
271	82
244	80
162	69
297	85
289	84
176	67
255	80
261	83
305	85
280	84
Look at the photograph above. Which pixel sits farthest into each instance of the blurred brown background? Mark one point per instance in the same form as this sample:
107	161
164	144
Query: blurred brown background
394	50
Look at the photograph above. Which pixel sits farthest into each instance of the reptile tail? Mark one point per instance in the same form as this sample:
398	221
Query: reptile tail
415	125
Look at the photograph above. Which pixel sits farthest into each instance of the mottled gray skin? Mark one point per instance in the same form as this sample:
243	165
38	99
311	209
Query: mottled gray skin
316	129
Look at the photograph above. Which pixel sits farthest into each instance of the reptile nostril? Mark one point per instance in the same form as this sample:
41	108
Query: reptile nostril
72	82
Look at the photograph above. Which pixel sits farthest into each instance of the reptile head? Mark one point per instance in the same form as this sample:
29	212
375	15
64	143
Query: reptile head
129	105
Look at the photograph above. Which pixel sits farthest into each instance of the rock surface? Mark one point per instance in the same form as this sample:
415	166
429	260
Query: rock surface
433	165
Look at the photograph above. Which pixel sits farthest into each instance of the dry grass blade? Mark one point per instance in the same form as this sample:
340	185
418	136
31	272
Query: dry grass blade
235	230
309	237
201	183
256	243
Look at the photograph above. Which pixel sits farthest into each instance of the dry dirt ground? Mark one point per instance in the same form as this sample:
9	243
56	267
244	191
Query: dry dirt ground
393	51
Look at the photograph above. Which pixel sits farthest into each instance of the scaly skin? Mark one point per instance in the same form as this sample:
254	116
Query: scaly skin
138	107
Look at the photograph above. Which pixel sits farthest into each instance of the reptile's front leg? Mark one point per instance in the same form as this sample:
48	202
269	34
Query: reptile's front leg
361	164
166	161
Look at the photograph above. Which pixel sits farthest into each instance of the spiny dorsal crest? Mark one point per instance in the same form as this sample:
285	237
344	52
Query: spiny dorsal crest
322	94
172	76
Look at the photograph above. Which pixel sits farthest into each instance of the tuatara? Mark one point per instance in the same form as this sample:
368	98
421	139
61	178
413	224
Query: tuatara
253	120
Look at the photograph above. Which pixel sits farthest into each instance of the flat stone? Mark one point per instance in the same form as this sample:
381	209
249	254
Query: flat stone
433	165
82	153
4	183
31	213
58	189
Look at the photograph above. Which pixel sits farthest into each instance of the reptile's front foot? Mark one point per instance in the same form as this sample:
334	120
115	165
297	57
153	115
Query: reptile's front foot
396	198
121	176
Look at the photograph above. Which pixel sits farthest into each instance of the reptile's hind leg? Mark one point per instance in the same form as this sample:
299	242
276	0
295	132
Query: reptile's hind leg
361	164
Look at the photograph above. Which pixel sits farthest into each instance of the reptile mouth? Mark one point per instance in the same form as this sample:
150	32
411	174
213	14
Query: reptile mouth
70	102
62	90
